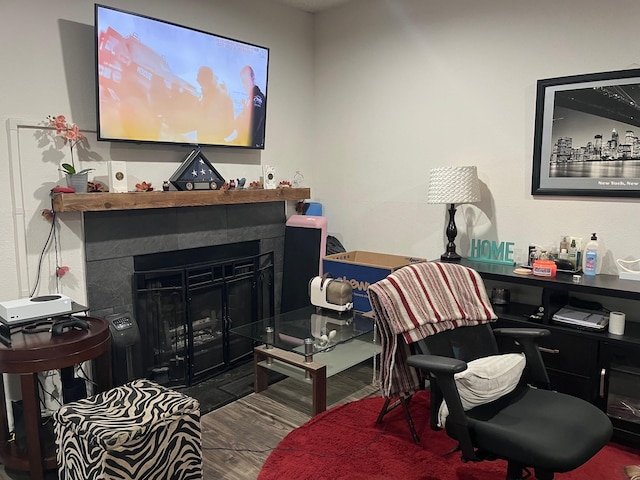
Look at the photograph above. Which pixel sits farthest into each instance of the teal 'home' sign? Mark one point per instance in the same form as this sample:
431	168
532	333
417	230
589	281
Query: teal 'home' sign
491	251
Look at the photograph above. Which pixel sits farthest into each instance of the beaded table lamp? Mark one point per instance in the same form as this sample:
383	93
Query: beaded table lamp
453	185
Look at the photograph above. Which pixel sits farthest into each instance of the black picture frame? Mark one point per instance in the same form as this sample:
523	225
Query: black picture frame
585	140
196	173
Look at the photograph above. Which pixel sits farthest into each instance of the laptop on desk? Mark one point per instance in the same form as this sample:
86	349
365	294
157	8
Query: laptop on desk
579	318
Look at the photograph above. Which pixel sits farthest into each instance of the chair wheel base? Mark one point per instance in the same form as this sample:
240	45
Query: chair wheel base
516	471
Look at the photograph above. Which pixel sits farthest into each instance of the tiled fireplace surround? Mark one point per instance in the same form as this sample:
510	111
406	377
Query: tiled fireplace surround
113	238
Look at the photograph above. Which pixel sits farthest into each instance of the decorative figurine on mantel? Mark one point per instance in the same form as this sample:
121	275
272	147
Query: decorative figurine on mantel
241	183
165	186
96	186
144	187
298	179
197	173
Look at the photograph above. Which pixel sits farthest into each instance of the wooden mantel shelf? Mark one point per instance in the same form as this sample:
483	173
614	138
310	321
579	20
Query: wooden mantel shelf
101	202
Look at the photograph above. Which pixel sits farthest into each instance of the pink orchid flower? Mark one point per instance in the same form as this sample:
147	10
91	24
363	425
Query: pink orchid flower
73	133
47	214
61	271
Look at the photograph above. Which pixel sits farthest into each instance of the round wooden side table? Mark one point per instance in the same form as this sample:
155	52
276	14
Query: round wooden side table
30	354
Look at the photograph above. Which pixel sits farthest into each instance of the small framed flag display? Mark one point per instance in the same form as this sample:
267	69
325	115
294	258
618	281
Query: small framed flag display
196	173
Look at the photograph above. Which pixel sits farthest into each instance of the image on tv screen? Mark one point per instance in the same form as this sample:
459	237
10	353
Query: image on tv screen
161	82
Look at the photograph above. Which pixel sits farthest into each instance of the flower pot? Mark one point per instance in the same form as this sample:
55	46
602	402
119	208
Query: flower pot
78	181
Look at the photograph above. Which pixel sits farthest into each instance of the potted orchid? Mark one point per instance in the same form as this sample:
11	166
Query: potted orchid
71	135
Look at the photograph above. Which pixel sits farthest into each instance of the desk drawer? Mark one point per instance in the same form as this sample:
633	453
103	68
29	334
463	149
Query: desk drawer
569	353
574	385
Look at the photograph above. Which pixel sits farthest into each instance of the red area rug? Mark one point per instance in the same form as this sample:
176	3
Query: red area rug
345	443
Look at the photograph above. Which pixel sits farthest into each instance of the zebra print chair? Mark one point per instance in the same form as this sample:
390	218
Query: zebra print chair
140	430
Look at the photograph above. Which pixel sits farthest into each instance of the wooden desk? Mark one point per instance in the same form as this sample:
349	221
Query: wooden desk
39	352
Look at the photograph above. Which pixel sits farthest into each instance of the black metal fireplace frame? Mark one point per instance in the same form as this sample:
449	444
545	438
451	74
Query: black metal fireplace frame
191	349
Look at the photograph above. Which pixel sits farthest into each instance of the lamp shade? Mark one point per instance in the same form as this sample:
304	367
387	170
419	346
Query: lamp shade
454	185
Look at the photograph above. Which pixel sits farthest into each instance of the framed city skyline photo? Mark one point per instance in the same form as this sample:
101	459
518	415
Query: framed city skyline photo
587	135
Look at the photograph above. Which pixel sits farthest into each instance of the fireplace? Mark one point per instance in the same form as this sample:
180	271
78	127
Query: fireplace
185	311
120	243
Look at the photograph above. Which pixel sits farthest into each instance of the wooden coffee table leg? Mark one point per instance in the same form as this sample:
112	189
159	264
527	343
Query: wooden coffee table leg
319	379
261	374
316	370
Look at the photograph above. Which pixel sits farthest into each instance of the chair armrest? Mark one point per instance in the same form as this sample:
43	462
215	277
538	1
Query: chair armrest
528	340
437	364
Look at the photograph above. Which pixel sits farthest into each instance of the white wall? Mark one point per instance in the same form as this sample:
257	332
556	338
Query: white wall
403	86
47	59
365	99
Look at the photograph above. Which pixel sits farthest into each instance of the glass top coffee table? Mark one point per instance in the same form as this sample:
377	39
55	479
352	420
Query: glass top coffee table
310	344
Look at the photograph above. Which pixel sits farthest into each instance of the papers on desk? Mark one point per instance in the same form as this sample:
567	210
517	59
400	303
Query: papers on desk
576	317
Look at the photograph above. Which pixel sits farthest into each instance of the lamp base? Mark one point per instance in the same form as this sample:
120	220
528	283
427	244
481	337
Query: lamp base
450	257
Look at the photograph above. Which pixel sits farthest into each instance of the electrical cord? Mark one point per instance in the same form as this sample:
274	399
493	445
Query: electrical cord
56	250
54	234
52	231
85	377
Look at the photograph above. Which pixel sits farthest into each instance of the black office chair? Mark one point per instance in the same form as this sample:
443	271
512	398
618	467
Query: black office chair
530	427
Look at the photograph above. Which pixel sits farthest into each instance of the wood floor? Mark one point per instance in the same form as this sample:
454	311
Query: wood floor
238	438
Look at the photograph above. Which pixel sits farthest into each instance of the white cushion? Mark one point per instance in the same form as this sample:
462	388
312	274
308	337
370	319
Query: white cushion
485	380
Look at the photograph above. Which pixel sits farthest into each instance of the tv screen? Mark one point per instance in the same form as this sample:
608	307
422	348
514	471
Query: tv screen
162	82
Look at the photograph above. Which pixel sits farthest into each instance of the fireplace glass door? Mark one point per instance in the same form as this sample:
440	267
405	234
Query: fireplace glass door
185	315
206	317
164	332
265	285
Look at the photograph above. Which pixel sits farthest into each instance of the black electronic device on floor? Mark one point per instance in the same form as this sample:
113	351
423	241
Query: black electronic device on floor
73	388
125	336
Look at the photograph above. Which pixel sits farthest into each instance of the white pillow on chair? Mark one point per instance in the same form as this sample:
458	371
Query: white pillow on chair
485	380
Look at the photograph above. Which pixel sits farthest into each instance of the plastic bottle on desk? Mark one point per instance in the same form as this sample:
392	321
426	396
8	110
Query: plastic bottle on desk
591	256
574	255
564	244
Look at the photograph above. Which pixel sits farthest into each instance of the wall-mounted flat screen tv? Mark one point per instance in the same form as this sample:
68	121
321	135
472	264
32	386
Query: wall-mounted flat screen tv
162	82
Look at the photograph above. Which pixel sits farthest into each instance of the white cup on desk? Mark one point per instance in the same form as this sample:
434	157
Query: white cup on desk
616	323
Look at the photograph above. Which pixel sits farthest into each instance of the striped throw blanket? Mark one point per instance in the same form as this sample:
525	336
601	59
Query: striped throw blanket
421	300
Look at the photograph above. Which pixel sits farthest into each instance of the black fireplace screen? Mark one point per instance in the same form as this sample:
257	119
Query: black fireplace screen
185	313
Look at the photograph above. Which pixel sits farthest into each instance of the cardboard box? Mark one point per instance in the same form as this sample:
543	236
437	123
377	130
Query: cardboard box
362	269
